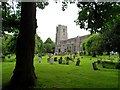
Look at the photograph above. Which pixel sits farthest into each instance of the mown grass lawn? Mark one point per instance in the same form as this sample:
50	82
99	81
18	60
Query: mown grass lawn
67	76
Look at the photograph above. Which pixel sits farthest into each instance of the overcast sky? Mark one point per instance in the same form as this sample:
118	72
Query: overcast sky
52	15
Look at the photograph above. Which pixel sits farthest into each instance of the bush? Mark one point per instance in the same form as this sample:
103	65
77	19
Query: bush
109	65
117	66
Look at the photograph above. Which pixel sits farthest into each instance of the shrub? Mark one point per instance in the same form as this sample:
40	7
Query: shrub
117	66
109	65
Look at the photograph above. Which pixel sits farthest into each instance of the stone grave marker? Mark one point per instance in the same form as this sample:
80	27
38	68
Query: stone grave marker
78	62
94	64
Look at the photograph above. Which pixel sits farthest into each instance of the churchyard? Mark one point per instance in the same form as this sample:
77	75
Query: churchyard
68	76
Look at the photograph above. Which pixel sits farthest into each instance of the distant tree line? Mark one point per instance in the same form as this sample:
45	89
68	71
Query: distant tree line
9	44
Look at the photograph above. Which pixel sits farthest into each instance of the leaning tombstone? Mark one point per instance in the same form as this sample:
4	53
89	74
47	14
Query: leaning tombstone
94	66
51	61
78	62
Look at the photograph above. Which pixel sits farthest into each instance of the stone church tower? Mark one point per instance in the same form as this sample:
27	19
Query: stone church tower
64	45
61	34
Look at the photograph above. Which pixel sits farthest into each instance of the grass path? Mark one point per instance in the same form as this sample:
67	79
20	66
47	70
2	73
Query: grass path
67	76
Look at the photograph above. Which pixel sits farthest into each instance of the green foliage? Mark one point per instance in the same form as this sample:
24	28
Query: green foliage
111	37
10	19
93	15
93	44
48	41
42	4
38	44
49	46
9	43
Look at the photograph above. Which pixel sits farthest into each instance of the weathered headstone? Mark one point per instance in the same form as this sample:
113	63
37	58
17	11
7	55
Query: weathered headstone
60	60
67	60
55	58
39	58
78	62
94	64
73	56
51	61
70	56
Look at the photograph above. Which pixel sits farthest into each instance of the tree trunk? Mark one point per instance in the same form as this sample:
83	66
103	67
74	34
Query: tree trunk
24	75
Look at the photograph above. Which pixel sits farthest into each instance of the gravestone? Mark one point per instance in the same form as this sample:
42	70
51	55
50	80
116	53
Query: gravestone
60	60
39	58
51	61
70	56
67	60
55	59
94	64
78	62
73	56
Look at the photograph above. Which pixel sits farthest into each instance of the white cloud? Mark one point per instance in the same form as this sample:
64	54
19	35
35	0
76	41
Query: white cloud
52	15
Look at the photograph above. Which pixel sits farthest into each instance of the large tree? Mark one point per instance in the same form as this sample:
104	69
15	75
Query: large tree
93	45
111	37
93	15
24	75
49	45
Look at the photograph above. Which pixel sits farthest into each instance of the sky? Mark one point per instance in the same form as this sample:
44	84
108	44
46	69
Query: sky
52	15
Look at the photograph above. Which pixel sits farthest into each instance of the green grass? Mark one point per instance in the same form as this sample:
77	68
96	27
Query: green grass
67	76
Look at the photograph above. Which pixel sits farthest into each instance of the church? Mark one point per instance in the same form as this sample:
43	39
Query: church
64	45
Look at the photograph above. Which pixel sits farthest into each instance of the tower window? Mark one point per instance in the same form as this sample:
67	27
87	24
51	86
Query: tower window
63	31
